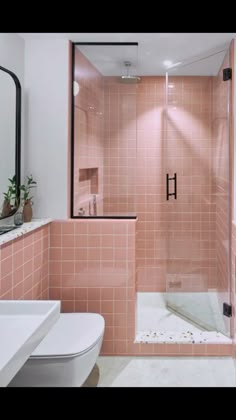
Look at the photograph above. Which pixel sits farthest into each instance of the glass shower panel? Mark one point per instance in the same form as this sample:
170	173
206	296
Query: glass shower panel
197	168
105	130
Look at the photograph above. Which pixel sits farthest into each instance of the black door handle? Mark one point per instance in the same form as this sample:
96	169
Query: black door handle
174	178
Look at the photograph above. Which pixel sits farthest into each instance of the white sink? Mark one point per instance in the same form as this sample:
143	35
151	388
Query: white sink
23	324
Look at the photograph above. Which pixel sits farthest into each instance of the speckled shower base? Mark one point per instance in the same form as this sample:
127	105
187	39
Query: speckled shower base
188	337
158	323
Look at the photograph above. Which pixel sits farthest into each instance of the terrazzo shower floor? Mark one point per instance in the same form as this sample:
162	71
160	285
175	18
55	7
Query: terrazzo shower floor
157	323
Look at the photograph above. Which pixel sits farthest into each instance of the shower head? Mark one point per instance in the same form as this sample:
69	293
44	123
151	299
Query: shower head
128	78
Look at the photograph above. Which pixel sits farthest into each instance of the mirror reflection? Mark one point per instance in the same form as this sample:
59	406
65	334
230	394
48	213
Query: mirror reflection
9	142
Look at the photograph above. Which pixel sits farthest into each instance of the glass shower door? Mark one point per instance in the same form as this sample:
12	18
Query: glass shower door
197	200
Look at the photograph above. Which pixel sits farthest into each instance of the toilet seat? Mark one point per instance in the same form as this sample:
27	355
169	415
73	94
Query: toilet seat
73	334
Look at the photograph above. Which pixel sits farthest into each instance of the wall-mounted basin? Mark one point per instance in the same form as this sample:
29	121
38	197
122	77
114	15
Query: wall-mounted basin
23	324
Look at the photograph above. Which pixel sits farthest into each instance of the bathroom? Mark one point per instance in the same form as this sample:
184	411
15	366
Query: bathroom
122	235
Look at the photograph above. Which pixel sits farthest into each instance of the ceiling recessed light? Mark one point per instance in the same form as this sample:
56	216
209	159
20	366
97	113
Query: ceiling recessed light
167	63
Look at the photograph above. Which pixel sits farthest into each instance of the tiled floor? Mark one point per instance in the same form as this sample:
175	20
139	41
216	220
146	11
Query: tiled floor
157	323
114	371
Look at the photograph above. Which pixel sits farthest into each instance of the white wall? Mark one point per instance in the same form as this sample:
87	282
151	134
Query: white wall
12	58
46	124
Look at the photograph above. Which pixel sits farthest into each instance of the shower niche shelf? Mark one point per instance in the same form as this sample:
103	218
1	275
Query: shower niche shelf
88	179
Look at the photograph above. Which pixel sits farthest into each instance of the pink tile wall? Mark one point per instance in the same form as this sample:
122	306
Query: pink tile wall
92	269
151	235
120	146
88	132
190	220
24	266
176	241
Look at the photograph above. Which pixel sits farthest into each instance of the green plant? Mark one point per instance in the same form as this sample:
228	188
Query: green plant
11	192
26	188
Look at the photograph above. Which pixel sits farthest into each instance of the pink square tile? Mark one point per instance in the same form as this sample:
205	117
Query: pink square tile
107	347
68	241
67	306
56	241
17	259
67	293
28	239
107	293
94	306
120	293
18	244
120	347
6	284
55	254
67	228
18	291
81	227
6	251
67	267
18	275
37	247
55	267
81	306
68	280
28	295
120	333
6	266
94	293
67	254
107	307
37	262
120	320
55	280
81	293
94	227
55	228
120	306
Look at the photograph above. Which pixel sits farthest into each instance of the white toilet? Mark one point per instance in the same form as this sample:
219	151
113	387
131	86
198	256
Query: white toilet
66	355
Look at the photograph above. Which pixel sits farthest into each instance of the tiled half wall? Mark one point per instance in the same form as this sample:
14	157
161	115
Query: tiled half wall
24	266
92	269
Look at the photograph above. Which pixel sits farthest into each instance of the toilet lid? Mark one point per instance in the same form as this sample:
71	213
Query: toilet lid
72	334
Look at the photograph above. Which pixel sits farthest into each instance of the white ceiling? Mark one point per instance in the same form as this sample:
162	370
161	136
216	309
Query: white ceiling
153	49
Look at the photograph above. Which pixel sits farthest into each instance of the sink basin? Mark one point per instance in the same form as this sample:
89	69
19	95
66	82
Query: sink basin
23	324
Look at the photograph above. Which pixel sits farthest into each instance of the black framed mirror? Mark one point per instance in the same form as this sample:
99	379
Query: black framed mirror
10	142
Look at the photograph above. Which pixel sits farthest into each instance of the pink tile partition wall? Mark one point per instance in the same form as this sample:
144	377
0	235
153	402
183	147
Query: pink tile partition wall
92	269
88	133
120	146
24	266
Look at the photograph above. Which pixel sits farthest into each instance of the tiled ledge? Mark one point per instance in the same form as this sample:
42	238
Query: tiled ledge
22	230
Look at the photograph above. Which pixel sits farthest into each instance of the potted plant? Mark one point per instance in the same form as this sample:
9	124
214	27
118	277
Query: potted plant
10	195
27	197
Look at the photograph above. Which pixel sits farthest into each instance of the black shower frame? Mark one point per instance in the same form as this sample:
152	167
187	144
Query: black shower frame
72	130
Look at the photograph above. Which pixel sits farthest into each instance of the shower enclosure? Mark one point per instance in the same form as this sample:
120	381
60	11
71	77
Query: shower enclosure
157	148
197	163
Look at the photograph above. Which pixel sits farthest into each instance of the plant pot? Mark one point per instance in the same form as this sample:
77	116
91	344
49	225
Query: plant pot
27	211
6	208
